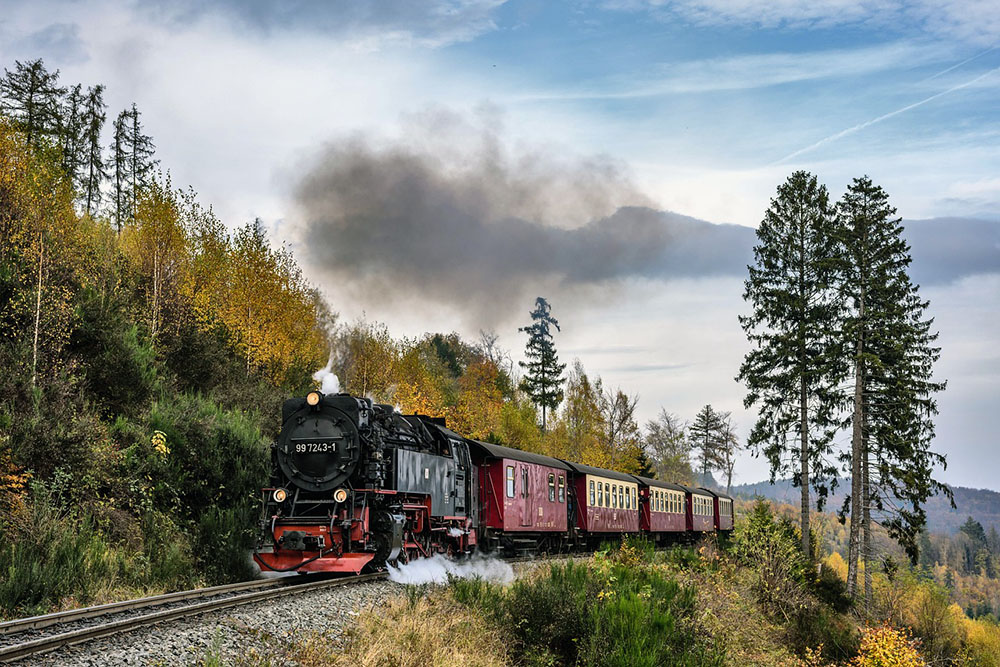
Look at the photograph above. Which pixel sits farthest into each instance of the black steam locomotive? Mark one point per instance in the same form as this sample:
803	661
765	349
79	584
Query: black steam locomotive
357	484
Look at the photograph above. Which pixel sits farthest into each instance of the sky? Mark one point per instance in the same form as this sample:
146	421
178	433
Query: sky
437	165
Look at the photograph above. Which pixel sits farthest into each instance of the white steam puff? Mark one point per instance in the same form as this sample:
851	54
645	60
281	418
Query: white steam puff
437	568
330	383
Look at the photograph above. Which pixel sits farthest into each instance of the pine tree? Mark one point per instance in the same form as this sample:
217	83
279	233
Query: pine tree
705	436
132	155
72	134
140	152
892	354
793	369
120	160
31	96
94	170
543	381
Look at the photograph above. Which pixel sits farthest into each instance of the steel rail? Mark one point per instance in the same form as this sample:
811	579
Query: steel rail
53	642
59	617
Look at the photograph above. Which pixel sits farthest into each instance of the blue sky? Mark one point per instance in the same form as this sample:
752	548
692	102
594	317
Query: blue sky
558	113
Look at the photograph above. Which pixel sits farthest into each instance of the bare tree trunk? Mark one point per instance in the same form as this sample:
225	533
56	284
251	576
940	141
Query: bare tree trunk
804	467
38	312
866	548
857	456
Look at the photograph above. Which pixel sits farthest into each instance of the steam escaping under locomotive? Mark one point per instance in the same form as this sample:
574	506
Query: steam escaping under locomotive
356	485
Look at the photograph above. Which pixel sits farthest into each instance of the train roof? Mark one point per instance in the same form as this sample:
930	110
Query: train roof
659	483
501	452
699	490
600	472
717	494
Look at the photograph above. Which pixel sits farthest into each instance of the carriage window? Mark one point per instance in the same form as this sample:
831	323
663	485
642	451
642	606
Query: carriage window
614	496
552	488
510	481
628	499
600	494
524	482
621	497
562	489
593	501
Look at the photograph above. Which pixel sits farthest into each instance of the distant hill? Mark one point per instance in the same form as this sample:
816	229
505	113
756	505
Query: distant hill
983	505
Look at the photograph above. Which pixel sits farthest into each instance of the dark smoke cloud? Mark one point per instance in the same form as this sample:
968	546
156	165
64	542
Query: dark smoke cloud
453	217
457	218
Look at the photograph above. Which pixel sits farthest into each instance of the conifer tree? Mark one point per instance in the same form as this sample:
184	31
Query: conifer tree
706	437
793	369
119	159
140	152
72	134
892	353
132	157
31	96
94	170
543	380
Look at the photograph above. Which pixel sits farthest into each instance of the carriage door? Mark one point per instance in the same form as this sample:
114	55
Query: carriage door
526	505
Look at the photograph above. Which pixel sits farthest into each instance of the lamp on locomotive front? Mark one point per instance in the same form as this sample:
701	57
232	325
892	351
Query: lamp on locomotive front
312	398
280	495
340	495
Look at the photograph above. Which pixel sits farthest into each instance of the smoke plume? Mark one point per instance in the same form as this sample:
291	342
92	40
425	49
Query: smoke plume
457	215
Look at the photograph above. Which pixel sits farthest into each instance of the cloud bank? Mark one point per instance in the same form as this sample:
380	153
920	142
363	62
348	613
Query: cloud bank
454	216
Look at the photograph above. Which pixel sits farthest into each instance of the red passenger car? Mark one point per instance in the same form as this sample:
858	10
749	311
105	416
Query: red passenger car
606	501
723	508
700	510
520	492
662	505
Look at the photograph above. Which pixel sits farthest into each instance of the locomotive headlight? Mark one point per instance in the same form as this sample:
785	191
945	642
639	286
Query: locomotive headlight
312	398
279	495
340	495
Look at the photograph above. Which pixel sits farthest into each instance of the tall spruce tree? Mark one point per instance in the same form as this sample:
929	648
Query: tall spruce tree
543	380
892	353
31	96
705	435
72	134
793	369
93	168
133	163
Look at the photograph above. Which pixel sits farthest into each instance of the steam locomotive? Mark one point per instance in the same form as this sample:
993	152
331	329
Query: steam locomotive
356	485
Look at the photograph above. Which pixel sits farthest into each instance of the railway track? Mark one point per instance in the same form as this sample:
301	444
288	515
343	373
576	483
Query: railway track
23	638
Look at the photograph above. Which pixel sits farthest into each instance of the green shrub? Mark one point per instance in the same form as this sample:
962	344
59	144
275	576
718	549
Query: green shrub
618	611
770	549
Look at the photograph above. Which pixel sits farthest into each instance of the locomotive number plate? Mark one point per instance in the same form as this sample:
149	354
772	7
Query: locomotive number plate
311	446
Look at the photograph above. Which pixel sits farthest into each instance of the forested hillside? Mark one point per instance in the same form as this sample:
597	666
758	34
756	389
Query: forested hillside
983	505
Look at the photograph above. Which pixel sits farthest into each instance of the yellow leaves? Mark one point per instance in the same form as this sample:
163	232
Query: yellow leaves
887	647
159	442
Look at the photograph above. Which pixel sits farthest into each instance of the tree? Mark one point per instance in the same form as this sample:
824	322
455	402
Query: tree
794	367
94	170
581	426
706	436
666	445
132	155
892	353
622	439
72	133
120	162
543	381
729	445
30	95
